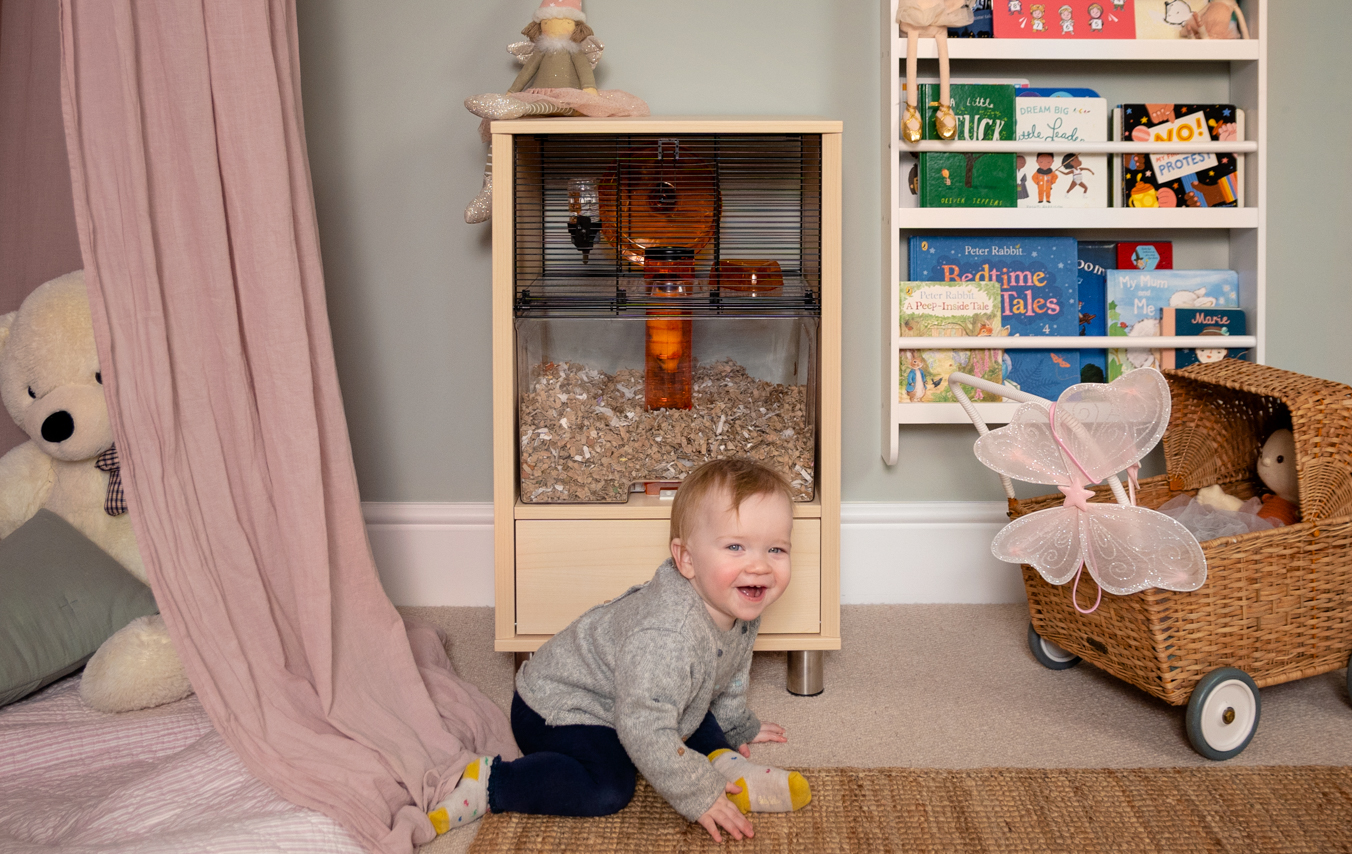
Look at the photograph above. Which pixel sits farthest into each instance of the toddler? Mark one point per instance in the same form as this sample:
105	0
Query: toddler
655	680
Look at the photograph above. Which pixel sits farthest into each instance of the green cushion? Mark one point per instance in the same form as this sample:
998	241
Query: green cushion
61	597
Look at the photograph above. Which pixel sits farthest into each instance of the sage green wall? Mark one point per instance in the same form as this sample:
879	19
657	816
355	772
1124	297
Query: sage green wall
395	157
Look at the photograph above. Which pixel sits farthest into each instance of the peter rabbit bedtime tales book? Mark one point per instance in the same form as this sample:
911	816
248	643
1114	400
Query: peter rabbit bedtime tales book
1136	298
1052	174
952	179
942	310
1038	281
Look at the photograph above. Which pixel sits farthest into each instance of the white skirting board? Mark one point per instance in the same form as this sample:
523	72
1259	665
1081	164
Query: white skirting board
905	553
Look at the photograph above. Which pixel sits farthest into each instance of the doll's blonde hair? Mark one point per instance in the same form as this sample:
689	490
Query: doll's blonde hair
580	31
740	478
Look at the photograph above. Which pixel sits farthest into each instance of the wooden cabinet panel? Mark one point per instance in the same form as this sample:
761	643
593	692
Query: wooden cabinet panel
563	567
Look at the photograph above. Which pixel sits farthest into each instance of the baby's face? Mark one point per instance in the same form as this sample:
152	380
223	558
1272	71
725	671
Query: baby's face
738	561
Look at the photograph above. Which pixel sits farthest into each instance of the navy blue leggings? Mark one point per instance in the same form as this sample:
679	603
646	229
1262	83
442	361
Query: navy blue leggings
577	770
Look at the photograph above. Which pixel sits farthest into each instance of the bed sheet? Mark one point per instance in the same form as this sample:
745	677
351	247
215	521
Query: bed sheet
156	781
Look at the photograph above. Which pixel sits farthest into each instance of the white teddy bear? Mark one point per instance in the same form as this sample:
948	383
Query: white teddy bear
53	389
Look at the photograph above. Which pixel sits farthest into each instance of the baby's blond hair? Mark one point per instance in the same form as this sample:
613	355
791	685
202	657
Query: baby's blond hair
741	478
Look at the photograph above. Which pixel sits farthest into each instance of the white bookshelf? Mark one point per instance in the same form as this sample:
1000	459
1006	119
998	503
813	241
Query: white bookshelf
1243	230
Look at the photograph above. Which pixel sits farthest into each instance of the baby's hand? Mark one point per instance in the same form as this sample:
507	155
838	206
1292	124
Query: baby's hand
768	732
724	813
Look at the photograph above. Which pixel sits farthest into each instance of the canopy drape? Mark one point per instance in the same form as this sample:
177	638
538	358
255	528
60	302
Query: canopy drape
198	234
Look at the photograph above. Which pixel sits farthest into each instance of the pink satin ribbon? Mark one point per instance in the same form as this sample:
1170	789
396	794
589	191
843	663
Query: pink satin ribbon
1077	496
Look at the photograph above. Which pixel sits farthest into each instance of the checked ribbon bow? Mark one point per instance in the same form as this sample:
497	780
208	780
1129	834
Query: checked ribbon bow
115	503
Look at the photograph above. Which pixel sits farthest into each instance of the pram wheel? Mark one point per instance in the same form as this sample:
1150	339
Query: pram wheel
1223	713
1048	654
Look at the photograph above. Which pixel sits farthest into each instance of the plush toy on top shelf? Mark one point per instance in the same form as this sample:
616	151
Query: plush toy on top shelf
1218	19
556	79
930	19
52	387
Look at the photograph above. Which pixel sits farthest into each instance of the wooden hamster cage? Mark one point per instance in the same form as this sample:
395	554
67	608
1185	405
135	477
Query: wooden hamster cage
636	253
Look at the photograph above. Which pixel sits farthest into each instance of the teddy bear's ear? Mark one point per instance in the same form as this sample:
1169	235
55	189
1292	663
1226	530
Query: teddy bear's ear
6	323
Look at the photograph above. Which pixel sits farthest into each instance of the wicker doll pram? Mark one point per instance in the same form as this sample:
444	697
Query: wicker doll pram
1276	604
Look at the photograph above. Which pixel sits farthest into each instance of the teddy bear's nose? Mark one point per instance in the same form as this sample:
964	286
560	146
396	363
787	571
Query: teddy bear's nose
58	427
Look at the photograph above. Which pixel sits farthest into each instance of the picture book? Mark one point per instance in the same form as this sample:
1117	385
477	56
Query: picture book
1163	19
1219	322
1095	259
1136	298
1051	174
973	178
1038	286
1055	92
1155	255
909	191
1064	19
1197	180
981	23
947	309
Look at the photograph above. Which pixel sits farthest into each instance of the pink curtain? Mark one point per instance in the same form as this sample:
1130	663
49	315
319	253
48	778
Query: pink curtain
37	220
196	222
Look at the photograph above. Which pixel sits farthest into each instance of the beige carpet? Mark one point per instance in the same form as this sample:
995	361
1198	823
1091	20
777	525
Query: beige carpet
1028	810
954	687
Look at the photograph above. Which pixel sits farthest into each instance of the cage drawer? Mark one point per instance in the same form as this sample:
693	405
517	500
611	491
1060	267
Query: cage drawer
564	567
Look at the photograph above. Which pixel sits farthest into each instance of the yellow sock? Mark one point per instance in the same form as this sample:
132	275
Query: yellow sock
765	788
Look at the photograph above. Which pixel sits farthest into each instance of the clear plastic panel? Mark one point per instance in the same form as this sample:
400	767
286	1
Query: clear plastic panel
585	435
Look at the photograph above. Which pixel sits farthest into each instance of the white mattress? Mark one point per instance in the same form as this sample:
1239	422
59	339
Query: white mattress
75	780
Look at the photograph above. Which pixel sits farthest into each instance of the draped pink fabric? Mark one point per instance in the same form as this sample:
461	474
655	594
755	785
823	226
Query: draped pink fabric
197	227
38	241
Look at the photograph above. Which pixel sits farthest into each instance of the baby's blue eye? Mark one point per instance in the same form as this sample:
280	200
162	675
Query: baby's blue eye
735	547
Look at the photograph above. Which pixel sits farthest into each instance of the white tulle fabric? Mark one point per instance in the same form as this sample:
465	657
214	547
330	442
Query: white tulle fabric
1092	432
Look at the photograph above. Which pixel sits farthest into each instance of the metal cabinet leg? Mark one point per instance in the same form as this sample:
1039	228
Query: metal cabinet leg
805	672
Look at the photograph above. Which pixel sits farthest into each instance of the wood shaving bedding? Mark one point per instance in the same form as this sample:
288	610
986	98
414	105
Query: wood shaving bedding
585	435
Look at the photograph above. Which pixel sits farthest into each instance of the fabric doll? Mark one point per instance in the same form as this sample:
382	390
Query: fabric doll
556	79
1219	19
930	19
1277	470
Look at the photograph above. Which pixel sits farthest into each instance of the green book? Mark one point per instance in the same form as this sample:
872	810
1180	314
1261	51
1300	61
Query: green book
977	179
947	309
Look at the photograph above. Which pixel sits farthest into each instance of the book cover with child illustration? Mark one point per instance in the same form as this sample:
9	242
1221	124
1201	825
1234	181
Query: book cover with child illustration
1064	19
1184	180
1206	322
1038	283
1051	173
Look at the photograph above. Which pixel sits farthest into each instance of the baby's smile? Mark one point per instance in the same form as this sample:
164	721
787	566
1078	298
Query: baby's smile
752	593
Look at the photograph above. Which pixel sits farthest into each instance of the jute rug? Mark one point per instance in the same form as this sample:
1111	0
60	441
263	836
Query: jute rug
1042	810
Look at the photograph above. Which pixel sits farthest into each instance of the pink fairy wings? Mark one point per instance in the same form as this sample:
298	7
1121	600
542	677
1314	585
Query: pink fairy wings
1105	429
1091	433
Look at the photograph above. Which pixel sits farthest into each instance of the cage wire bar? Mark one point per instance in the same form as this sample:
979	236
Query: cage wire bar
724	196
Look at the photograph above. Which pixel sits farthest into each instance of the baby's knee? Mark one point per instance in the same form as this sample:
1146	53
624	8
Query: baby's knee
613	795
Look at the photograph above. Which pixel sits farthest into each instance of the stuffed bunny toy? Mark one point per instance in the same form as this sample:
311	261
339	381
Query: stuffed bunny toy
930	19
1219	19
